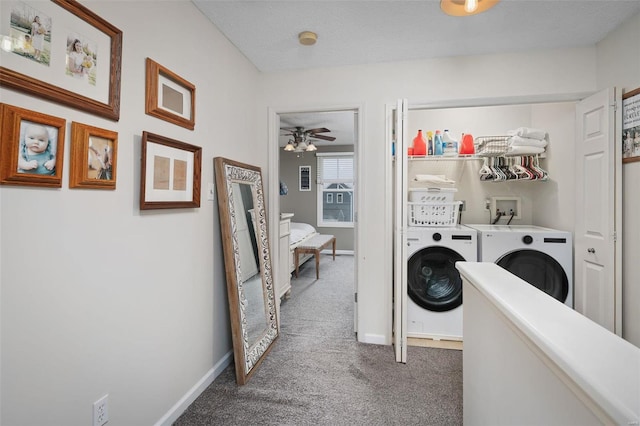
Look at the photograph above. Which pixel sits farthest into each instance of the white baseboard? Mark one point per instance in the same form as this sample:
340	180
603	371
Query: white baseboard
338	252
181	406
376	339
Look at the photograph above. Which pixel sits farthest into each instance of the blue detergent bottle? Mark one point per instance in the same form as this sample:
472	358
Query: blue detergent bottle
437	143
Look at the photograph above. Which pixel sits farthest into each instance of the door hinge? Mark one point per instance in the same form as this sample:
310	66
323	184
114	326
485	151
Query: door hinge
615	237
615	106
355	297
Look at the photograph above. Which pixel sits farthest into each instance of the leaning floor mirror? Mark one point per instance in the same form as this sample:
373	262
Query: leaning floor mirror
245	241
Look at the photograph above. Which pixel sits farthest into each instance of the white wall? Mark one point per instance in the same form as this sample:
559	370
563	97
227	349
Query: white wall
454	81
134	304
618	61
99	297
544	203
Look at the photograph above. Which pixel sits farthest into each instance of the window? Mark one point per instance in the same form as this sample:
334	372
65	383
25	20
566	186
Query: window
335	189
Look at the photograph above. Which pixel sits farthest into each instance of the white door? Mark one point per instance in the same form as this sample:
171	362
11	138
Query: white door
399	123
598	234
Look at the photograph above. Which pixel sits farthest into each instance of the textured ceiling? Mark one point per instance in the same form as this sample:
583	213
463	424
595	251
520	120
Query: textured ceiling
365	31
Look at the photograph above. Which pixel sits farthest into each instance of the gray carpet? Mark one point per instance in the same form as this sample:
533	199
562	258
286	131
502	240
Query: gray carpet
318	374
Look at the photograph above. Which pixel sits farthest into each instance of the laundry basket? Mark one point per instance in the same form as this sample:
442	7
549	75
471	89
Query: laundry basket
433	207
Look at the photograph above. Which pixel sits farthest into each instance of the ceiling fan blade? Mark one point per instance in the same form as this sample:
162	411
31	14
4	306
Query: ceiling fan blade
326	138
318	130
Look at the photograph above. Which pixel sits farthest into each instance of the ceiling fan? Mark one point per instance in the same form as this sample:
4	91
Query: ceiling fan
301	136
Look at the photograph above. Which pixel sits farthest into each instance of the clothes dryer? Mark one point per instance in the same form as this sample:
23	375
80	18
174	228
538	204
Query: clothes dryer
540	256
434	285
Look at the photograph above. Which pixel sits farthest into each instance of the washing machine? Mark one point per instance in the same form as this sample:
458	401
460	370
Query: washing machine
541	256
434	285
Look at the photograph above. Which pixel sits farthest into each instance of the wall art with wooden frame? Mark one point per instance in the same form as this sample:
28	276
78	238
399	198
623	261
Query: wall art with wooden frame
169	96
631	126
170	173
94	154
31	147
62	52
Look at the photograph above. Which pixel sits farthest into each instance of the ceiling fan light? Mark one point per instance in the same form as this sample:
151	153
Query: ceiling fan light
289	146
302	145
311	147
466	7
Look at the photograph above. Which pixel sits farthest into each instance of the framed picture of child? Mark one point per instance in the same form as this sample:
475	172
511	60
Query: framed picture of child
31	147
94	153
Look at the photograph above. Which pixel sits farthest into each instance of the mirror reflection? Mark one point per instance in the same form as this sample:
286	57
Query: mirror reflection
249	262
243	225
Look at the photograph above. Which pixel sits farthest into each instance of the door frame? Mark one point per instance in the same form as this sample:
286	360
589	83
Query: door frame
273	127
390	225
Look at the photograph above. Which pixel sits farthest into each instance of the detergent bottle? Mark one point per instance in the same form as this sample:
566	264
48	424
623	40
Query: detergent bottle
437	143
419	144
466	146
429	143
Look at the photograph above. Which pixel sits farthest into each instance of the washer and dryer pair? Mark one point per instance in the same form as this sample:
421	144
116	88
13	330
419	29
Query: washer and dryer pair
541	256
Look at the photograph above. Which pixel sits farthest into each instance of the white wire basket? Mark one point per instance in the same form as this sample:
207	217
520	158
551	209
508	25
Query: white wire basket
434	214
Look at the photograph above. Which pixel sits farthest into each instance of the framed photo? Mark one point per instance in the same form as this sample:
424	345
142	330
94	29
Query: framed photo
94	154
304	178
170	175
631	126
62	52
169	96
31	147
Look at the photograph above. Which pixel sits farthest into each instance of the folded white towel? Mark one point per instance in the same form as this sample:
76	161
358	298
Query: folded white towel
528	132
524	150
520	141
432	181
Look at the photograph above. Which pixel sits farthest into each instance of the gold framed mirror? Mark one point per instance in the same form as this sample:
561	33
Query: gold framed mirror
247	259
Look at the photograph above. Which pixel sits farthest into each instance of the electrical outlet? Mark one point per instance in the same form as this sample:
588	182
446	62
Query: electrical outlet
487	204
210	192
101	411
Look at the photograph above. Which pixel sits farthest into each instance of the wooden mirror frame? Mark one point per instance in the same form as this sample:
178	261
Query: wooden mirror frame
247	355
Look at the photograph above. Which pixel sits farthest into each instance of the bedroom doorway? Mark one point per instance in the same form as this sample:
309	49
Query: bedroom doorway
328	207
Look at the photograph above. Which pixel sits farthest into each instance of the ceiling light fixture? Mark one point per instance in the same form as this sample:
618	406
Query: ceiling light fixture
289	146
466	7
307	38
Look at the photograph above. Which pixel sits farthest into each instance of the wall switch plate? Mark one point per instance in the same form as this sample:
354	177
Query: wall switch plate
101	411
210	191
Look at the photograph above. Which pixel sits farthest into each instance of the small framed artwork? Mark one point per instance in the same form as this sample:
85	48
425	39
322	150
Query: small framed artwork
94	154
304	177
31	147
170	175
631	126
169	96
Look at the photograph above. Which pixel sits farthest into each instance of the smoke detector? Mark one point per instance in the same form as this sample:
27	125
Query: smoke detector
307	38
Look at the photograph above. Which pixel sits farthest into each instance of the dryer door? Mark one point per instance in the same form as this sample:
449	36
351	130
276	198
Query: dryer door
538	269
433	281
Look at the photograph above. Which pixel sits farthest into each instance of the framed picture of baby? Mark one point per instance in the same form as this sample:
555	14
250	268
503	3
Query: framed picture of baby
31	147
94	153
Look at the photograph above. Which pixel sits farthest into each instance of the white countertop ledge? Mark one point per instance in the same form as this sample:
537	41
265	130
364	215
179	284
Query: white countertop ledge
605	366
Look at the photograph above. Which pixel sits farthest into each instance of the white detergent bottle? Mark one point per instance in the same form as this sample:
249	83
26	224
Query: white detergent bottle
450	145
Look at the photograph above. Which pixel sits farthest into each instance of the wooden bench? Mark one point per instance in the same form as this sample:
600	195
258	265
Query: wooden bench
313	246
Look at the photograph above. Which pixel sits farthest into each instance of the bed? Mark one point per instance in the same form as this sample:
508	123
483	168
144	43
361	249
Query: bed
300	232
